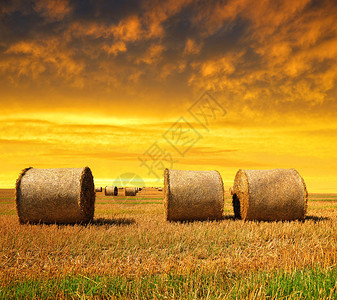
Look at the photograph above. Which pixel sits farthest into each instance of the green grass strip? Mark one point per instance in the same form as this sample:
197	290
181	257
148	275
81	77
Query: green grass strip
322	196
8	212
324	199
6	202
324	207
300	284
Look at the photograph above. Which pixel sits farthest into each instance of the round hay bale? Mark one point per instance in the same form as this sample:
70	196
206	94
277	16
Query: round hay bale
98	189
269	195
111	191
130	191
193	195
108	191
160	189
63	196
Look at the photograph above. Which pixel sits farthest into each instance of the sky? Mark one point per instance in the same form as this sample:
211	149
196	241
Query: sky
132	87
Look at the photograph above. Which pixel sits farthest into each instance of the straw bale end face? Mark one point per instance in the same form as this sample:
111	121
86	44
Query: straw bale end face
63	196
87	196
18	195
240	194
167	194
269	195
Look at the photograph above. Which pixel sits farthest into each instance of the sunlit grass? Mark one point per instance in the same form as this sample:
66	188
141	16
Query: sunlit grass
6	202
8	212
313	283
324	199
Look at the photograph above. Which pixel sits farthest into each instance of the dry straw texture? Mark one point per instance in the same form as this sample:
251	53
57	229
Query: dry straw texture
269	195
98	189
193	195
131	191
111	191
63	196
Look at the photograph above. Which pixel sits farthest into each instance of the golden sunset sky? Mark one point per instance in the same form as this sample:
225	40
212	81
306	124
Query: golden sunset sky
119	86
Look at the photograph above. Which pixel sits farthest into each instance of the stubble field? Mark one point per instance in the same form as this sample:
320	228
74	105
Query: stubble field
130	251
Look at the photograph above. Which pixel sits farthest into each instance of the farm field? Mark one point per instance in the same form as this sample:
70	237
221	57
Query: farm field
130	251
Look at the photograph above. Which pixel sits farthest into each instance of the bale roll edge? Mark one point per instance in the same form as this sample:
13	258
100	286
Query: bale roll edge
306	194
87	192
166	192
239	196
222	194
17	189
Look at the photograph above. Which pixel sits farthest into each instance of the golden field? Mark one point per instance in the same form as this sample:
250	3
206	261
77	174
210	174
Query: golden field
131	251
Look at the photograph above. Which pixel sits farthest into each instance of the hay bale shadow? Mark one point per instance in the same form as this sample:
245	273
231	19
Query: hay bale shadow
95	222
234	218
307	218
40	223
236	207
230	217
117	221
316	219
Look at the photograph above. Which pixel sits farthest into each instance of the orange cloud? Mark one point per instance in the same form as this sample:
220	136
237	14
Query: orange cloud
152	55
115	48
158	12
32	57
268	16
128	29
191	47
53	10
213	15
